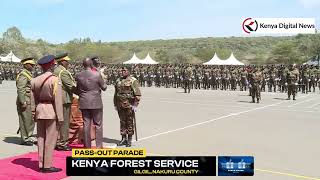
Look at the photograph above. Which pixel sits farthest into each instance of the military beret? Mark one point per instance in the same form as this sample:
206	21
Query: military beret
62	57
29	60
46	59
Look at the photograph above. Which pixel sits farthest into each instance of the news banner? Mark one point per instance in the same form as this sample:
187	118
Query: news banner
135	162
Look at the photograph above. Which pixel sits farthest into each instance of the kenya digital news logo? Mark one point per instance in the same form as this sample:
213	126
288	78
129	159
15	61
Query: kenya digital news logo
249	25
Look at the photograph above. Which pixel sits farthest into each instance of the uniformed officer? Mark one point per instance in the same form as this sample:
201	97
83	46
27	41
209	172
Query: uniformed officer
47	94
24	108
256	79
126	100
187	79
68	88
292	81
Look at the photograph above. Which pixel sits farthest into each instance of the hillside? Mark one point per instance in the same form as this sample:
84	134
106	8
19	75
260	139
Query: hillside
254	50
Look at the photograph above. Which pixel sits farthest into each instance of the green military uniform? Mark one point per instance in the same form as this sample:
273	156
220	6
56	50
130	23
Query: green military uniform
187	79
292	81
68	87
255	86
24	105
126	99
305	72
312	83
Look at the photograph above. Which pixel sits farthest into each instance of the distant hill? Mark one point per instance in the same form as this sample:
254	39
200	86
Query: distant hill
253	50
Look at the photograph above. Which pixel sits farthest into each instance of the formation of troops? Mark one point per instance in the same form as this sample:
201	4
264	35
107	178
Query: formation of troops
46	92
270	78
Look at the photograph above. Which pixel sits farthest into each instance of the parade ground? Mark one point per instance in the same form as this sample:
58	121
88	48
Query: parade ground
282	135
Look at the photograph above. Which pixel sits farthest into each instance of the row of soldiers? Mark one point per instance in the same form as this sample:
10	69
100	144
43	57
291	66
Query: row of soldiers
274	77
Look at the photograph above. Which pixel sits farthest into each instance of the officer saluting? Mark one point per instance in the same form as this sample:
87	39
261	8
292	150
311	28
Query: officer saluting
68	87
23	83
126	99
47	94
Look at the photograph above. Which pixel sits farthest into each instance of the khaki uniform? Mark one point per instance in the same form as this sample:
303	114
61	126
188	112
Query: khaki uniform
127	94
68	87
26	124
47	94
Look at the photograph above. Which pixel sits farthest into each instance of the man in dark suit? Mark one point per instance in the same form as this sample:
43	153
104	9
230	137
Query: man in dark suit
89	86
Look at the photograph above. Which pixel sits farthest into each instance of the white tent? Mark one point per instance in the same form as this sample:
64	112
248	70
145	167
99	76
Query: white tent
233	61
215	60
149	60
10	58
134	60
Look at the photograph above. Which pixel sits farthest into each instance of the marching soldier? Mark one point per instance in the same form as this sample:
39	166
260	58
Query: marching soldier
126	100
68	87
47	94
24	108
292	81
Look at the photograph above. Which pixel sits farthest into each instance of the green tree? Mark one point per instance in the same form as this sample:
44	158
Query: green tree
285	53
12	34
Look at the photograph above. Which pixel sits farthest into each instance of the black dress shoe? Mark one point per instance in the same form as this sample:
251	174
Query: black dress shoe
50	170
27	143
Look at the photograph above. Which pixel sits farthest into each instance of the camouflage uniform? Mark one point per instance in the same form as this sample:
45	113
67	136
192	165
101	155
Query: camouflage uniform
255	86
127	95
187	79
292	79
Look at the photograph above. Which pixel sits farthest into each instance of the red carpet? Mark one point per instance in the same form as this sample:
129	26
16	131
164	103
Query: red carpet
25	167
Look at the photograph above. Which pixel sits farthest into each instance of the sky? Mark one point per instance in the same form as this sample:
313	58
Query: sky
58	21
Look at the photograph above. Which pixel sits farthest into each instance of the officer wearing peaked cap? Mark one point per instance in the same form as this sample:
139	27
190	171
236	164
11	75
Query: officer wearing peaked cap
47	95
24	108
68	88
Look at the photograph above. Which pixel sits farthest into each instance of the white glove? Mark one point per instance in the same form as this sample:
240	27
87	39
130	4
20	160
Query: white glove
296	84
134	108
286	84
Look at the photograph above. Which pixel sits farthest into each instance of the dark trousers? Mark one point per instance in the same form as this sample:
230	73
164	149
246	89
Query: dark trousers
95	116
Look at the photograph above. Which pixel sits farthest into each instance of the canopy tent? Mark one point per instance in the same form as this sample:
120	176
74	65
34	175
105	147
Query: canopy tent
215	60
233	61
134	60
149	60
10	58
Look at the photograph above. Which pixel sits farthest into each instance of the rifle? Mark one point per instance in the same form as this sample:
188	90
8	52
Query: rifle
135	125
